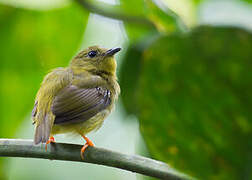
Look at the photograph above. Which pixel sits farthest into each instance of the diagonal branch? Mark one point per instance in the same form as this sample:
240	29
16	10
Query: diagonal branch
114	12
71	152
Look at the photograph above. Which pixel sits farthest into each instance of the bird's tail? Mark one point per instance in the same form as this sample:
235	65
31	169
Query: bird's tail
43	129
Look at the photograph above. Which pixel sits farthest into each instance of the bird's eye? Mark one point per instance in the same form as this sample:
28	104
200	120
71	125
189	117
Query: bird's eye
92	54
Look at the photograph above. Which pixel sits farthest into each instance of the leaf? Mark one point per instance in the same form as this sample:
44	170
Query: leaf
164	22
130	71
129	77
194	102
185	9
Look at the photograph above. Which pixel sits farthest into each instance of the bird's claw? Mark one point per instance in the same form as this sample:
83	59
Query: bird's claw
50	140
88	143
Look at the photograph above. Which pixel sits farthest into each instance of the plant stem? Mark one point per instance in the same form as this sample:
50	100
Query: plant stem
112	11
71	152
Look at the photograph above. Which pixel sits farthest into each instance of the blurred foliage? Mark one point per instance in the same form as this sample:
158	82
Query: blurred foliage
129	77
32	41
193	100
199	1
164	22
185	9
191	91
188	10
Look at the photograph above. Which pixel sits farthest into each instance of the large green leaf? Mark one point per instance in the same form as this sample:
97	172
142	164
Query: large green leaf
128	75
194	101
130	72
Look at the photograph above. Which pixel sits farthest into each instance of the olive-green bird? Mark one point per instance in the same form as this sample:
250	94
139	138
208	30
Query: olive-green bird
78	98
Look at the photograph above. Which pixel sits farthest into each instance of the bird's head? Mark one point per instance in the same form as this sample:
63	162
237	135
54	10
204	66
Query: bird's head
96	59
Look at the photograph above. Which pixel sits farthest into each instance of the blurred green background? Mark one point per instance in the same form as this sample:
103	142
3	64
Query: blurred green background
185	74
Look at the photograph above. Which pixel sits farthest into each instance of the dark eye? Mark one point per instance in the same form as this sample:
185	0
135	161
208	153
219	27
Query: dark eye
92	54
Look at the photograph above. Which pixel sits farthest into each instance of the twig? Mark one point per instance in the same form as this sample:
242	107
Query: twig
114	12
71	152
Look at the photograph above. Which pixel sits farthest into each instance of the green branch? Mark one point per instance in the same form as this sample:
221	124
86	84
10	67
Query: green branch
113	11
71	152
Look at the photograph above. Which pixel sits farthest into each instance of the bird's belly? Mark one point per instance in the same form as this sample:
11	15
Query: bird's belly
82	128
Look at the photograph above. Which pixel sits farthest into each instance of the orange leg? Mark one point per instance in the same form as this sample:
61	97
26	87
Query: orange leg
88	143
50	140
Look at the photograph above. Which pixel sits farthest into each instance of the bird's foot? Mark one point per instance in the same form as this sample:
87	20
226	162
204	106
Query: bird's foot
88	143
50	140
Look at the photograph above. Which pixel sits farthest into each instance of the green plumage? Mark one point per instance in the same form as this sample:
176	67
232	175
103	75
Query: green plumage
77	99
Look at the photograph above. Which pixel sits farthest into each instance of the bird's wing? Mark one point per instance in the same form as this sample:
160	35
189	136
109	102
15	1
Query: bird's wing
42	116
73	104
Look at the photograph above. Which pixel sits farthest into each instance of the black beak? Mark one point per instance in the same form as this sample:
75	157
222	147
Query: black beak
111	52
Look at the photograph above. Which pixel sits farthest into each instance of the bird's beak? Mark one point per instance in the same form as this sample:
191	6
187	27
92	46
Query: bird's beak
111	52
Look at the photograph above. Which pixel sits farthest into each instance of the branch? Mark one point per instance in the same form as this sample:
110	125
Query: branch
71	152
113	12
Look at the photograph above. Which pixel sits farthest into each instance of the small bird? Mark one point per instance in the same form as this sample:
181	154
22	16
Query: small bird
78	98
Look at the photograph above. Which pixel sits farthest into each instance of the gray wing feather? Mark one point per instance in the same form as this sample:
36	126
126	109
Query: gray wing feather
74	105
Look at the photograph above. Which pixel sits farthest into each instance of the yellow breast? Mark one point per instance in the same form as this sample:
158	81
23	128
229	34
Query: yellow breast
82	128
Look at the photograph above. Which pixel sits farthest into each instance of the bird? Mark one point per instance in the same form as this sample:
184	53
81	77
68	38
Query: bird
76	99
